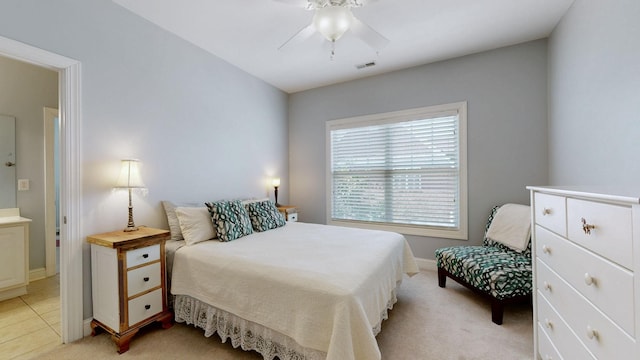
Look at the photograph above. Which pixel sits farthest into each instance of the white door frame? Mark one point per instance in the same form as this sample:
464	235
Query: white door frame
50	115
71	237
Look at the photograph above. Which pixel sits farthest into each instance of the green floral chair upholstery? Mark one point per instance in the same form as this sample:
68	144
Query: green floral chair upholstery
493	270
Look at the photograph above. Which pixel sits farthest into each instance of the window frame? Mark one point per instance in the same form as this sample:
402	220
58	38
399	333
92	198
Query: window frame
459	233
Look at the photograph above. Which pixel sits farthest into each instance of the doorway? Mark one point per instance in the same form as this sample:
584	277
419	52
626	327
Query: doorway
71	236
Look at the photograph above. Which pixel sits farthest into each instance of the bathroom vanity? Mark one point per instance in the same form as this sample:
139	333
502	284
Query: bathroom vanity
14	257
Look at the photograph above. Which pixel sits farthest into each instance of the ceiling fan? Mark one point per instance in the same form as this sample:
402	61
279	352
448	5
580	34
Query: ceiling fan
332	19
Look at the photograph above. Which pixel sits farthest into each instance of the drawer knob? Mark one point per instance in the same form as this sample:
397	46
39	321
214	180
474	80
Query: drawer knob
146	278
592	333
548	323
145	255
547	286
147	307
589	280
546	249
546	211
587	227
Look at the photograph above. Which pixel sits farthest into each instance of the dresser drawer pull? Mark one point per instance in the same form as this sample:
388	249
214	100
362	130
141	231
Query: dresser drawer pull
589	280
147	307
592	333
587	227
547	286
546	249
548	324
146	278
546	211
147	255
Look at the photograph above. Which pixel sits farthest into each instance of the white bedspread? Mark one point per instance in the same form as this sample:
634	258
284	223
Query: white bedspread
326	287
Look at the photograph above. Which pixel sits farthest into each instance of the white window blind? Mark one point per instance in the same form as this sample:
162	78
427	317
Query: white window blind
402	170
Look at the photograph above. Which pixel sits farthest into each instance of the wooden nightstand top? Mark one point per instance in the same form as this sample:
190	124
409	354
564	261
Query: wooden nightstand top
120	238
287	208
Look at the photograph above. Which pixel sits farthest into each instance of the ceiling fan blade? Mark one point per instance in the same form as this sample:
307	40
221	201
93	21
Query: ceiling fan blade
368	35
299	37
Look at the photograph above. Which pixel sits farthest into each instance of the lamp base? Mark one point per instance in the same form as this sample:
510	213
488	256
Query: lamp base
131	226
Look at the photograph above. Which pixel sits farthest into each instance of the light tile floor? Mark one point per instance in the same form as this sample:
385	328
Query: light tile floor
30	324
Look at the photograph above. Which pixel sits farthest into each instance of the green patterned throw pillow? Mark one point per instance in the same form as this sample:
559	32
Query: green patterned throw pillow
264	215
230	218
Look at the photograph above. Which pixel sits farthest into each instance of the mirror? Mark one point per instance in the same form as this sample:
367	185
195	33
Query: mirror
7	162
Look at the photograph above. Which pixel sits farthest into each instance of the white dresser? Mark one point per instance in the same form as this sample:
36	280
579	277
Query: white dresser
586	251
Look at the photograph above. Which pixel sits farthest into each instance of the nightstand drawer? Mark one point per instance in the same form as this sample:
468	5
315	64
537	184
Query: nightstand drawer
143	255
145	306
292	217
143	279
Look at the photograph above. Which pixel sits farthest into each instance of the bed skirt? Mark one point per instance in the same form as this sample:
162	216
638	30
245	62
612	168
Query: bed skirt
249	335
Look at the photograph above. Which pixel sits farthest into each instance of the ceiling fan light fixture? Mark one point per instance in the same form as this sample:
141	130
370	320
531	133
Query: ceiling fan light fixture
332	21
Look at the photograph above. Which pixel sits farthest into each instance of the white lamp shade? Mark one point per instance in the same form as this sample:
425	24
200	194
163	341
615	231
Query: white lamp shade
276	182
332	21
130	175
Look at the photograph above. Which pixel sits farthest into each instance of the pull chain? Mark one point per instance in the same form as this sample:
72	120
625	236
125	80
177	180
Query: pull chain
333	49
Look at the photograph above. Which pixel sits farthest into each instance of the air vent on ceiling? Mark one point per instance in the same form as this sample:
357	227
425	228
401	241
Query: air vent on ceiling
366	65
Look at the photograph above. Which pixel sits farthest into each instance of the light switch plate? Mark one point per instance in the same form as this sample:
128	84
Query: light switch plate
23	184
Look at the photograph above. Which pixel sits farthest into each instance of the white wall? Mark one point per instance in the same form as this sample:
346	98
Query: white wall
24	91
203	129
506	91
594	92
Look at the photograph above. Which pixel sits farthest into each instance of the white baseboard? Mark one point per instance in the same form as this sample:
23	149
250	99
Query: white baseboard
426	264
37	274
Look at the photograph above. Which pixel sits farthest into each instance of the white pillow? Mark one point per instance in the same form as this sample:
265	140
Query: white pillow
511	226
172	219
196	224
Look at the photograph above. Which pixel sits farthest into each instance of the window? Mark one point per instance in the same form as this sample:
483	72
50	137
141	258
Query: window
403	171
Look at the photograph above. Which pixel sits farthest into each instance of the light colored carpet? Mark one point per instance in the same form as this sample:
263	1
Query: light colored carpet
427	322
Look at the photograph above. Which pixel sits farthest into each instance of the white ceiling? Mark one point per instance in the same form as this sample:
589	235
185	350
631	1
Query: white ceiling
247	33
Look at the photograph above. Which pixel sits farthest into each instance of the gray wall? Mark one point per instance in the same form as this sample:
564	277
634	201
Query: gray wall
594	92
24	91
203	129
506	91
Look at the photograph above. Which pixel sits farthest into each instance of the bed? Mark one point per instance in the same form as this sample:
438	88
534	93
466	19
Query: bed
300	291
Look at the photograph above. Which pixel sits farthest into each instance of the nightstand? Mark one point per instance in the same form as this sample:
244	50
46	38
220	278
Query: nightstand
289	212
128	282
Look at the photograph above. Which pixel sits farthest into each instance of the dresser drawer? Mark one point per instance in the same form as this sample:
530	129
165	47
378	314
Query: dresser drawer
550	212
545	347
611	237
561	336
143	279
143	255
145	306
607	341
611	286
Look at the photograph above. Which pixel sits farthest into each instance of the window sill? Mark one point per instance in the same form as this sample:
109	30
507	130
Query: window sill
458	234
